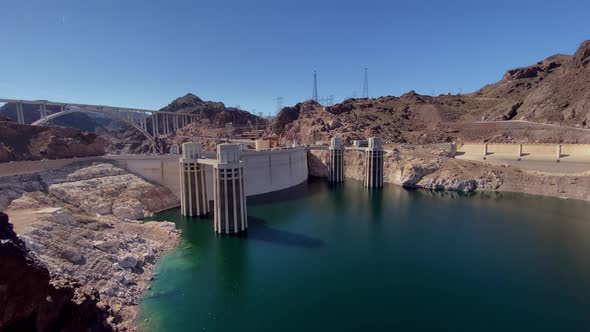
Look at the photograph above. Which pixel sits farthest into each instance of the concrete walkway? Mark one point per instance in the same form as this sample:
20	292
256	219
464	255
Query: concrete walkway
541	163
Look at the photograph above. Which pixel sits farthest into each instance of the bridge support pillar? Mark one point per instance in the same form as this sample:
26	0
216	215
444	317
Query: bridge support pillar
155	125
20	117
230	214
193	192
374	164
335	160
43	111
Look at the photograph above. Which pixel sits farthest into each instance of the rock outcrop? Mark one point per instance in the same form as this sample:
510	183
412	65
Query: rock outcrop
428	169
31	300
213	117
104	189
78	221
25	142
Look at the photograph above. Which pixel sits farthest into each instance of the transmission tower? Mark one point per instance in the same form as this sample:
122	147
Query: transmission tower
366	84
279	104
315	86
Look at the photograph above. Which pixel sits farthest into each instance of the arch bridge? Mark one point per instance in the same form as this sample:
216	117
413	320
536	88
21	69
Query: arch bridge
150	123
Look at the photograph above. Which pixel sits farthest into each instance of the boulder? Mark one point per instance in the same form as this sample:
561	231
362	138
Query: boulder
128	261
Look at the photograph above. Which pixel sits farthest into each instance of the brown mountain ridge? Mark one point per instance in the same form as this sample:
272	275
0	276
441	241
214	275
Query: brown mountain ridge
554	91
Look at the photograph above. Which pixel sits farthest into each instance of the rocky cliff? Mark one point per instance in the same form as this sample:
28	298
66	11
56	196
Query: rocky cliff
25	142
31	300
555	90
80	223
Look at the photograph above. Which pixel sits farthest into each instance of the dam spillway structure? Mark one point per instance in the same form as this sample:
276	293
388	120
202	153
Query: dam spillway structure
230	214
374	164
193	193
335	161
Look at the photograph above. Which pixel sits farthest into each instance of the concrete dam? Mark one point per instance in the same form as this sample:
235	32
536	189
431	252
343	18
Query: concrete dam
227	177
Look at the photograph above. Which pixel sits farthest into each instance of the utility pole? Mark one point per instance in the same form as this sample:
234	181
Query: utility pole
366	84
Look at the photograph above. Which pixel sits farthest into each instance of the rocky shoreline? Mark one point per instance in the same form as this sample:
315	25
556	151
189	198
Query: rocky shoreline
434	169
80	224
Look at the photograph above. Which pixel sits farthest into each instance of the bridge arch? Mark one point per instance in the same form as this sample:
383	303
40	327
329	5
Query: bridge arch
113	114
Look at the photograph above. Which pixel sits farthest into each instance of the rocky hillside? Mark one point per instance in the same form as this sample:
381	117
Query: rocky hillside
553	91
25	142
30	300
79	222
393	118
216	113
214	116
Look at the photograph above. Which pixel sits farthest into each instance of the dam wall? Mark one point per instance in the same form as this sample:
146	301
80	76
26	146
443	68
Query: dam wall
264	171
272	170
161	169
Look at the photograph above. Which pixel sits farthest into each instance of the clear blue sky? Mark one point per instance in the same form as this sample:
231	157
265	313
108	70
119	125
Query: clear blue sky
146	53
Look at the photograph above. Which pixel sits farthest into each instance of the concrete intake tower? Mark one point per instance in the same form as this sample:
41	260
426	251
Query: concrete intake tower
336	161
193	192
230	214
374	164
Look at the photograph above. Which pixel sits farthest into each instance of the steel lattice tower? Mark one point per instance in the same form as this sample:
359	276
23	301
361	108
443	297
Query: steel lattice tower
279	104
315	86
366	85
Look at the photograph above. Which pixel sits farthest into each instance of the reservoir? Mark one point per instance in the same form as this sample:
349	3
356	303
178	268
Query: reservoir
343	258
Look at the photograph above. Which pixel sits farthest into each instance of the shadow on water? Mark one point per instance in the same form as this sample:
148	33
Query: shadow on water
258	230
375	199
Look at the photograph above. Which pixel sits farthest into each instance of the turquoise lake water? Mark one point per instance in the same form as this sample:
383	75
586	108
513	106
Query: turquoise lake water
344	258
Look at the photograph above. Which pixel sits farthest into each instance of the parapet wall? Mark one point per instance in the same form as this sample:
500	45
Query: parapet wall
35	166
527	149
